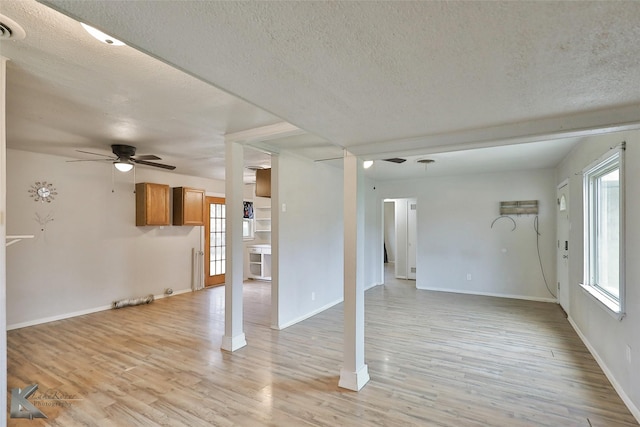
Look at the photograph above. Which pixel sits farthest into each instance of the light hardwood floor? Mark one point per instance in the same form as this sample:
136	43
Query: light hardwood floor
435	359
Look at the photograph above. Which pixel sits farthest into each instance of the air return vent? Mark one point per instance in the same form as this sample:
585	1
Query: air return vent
395	160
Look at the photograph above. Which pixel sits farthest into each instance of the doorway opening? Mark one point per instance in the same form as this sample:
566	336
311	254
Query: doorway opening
400	237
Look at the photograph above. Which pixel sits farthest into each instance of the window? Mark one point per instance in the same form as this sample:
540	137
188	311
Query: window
604	230
247	229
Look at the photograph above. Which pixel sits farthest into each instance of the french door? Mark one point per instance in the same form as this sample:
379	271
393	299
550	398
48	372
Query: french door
215	242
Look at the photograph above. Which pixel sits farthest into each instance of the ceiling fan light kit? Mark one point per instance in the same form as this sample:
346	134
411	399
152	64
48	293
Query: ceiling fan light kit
124	160
123	165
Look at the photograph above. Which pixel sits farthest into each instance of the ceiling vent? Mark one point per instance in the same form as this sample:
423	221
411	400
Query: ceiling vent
10	30
395	160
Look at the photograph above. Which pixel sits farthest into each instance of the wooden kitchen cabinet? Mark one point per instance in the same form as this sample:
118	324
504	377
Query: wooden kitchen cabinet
152	204
188	206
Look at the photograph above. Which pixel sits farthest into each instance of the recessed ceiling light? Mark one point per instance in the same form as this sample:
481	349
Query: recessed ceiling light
99	35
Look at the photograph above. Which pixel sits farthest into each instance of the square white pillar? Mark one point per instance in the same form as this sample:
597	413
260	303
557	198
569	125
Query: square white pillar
354	373
234	337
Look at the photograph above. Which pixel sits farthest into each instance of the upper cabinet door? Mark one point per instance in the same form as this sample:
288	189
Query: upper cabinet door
152	204
188	206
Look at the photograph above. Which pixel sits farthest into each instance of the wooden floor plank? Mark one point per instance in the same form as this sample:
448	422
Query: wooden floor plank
435	359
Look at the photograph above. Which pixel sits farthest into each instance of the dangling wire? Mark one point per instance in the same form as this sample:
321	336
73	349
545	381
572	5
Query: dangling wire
505	216
536	229
113	180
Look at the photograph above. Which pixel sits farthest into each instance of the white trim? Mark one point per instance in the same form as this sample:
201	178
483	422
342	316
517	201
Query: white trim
564	183
490	294
604	301
354	380
80	313
306	316
316	311
233	343
614	155
635	411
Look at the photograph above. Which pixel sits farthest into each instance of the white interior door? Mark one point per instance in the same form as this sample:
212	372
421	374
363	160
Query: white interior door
562	233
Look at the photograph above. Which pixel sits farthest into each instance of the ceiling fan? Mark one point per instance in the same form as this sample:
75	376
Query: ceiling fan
124	160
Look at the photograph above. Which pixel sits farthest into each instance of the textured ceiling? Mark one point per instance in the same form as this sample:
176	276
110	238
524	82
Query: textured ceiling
356	73
381	78
66	91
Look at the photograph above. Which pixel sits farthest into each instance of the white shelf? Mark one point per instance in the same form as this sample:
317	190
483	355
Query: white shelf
259	262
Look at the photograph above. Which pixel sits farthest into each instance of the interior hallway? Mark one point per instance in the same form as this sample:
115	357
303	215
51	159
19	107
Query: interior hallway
434	358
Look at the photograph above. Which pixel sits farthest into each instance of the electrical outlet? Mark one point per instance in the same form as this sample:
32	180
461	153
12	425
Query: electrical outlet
313	296
468	276
284	207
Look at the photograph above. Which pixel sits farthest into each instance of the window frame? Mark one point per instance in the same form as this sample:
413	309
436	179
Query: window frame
610	161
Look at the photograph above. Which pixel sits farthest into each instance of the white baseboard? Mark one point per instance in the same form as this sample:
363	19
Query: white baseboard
616	385
79	313
316	311
306	316
490	294
373	285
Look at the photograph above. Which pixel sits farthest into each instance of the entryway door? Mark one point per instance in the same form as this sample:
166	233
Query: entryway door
562	232
214	238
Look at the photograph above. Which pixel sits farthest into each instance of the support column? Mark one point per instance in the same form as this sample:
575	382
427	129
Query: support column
275	242
233	338
3	232
354	373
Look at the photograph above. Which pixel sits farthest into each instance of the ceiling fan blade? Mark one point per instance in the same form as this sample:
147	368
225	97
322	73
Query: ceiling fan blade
94	154
148	157
395	160
157	165
90	160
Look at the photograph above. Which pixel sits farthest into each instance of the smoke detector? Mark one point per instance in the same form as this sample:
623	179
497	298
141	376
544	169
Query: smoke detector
10	30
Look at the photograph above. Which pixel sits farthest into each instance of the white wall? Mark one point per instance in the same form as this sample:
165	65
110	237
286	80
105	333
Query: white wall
373	244
310	238
606	337
390	230
455	237
91	253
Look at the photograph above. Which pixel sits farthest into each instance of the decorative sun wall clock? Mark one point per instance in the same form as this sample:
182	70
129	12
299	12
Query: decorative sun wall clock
43	191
